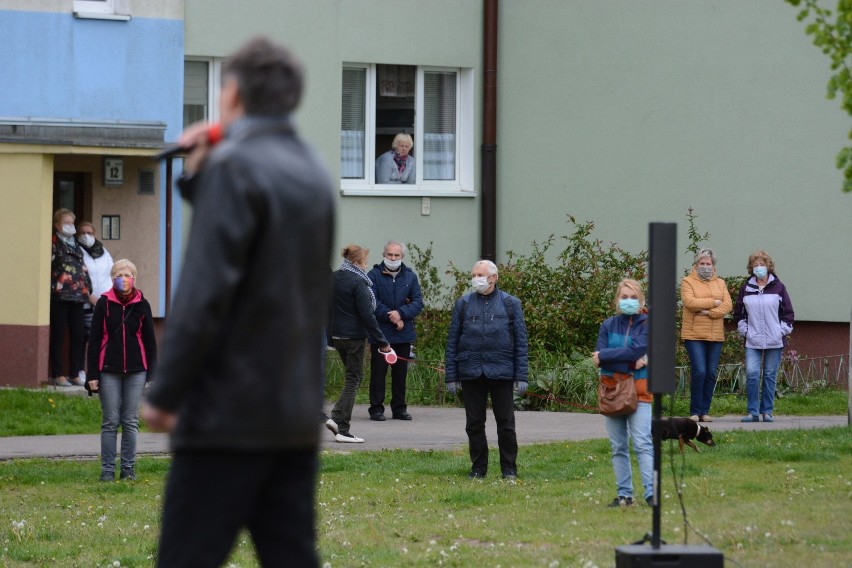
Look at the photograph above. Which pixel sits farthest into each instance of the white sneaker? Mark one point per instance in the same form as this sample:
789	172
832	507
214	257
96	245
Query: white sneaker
332	425
77	381
347	438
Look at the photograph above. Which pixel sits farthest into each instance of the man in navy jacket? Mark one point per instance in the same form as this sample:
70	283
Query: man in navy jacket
487	353
398	301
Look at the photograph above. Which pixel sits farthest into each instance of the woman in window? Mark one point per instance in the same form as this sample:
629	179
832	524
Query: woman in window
396	165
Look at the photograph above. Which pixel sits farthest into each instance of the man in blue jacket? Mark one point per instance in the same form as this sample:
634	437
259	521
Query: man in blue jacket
398	301
487	353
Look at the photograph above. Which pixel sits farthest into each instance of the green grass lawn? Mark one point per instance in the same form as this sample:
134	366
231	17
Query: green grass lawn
779	498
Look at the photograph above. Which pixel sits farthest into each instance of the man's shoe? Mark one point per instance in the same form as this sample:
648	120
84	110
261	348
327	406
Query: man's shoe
768	418
750	418
706	418
332	425
323	417
476	474
694	418
401	415
650	500
510	474
347	438
621	501
378	417
61	382
127	473
78	381
107	476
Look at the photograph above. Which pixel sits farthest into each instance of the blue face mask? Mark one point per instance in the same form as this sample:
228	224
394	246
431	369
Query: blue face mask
628	306
760	272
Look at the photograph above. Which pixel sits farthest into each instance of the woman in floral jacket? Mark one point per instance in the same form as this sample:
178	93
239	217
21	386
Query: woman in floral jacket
69	291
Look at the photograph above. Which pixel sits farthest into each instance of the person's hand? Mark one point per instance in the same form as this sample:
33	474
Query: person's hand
93	385
521	387
641	362
399	325
717	302
596	358
394	317
386	348
704	313
158	420
197	137
453	387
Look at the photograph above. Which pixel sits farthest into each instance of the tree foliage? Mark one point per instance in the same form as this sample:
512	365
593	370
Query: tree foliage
832	33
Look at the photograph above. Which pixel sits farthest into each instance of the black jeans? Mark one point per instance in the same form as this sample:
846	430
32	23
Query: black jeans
352	354
211	496
69	315
475	395
378	371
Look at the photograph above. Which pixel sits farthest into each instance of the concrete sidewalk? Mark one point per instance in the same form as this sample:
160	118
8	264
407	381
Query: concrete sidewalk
432	429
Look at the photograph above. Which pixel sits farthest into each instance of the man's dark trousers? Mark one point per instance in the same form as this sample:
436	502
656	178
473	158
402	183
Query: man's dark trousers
475	393
269	493
399	373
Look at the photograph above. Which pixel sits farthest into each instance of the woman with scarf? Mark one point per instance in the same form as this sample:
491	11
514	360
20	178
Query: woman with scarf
69	292
397	165
122	355
352	320
706	301
99	263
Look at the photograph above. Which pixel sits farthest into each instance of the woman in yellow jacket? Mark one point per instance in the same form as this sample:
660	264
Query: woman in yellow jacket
705	300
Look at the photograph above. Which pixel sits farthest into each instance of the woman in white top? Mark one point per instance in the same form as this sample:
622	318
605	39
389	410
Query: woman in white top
99	263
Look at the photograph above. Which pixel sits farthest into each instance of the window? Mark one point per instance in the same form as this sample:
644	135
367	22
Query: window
199	99
94	7
433	105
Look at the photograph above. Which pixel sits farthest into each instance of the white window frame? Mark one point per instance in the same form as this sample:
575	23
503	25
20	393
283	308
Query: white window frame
214	85
462	185
101	9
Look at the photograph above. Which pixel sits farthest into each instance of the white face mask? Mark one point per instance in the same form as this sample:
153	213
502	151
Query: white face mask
479	283
87	240
68	230
393	264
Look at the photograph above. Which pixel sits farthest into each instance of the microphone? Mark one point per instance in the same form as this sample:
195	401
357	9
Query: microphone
214	136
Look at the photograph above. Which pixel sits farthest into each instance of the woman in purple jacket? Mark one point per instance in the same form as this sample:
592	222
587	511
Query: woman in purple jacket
764	317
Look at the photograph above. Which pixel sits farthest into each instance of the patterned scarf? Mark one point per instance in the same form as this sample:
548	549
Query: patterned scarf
400	161
349	267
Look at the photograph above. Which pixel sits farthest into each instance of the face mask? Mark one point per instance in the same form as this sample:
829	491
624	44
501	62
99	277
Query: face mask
393	264
628	306
760	272
479	283
68	230
124	283
704	272
87	240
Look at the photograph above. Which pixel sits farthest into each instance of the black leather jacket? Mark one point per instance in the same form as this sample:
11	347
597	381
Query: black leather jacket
240	360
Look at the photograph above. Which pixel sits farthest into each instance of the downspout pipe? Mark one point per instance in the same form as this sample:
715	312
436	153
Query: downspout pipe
488	194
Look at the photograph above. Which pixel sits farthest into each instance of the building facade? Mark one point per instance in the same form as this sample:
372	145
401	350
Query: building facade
90	90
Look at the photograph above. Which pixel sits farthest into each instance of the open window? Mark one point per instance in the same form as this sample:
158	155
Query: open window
381	101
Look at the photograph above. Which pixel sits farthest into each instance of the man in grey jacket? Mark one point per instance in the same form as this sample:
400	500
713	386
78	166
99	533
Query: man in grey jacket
487	354
237	386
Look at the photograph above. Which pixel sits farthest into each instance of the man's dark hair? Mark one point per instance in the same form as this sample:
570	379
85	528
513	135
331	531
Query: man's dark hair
268	76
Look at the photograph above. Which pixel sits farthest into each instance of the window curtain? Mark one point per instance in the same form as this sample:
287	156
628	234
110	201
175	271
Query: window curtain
352	124
439	125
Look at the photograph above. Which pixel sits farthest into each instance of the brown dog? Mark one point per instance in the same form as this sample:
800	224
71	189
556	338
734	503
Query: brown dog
685	430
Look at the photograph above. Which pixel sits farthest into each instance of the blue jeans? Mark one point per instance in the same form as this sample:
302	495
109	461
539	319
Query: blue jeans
770	358
120	396
638	427
703	362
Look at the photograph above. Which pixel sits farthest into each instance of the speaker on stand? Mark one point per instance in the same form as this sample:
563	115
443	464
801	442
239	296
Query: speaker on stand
662	307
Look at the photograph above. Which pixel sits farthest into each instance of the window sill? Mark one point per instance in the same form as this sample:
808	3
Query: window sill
404	191
99	16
